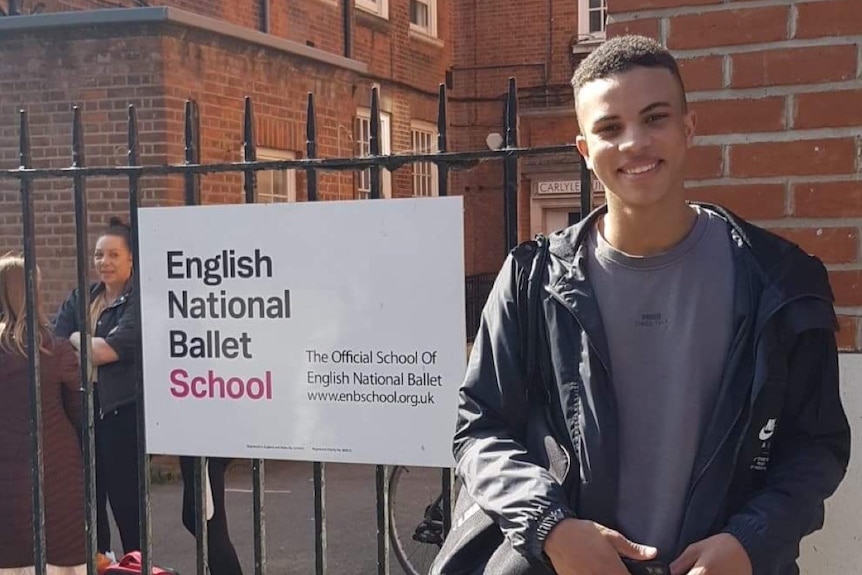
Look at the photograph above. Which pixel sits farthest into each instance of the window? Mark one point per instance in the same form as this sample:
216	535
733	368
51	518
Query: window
423	16
363	148
378	7
275	185
592	15
424	137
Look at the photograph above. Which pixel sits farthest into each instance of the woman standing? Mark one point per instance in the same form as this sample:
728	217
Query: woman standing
115	331
61	452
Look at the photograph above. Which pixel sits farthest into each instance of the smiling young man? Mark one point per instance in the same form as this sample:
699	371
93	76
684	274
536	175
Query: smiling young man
684	416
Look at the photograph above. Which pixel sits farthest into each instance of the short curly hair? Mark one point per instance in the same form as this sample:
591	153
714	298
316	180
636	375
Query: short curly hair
621	54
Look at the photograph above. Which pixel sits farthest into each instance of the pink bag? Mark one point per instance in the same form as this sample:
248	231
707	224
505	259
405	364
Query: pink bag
130	564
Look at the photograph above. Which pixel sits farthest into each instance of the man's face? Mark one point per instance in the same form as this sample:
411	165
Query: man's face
635	133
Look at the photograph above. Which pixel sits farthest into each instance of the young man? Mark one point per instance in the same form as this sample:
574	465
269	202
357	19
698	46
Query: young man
686	416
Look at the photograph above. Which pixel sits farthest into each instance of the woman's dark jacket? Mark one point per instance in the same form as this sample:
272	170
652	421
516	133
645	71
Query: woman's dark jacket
119	326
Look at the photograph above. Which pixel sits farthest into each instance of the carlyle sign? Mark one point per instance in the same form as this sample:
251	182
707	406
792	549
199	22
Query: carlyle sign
565	187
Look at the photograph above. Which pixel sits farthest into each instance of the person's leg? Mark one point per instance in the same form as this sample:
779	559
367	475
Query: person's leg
221	553
122	474
103	526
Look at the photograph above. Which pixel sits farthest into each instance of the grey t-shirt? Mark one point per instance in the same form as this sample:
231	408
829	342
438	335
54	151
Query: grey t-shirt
668	321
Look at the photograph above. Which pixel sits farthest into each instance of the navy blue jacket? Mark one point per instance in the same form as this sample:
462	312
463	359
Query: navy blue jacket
776	447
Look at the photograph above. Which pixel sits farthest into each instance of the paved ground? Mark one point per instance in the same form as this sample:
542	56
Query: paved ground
289	506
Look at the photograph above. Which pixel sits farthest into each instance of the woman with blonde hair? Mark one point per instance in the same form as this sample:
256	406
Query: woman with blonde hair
61	414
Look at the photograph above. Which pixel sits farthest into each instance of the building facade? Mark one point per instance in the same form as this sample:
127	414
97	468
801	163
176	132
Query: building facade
777	85
103	55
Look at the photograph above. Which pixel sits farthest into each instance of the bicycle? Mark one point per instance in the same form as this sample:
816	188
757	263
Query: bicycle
415	493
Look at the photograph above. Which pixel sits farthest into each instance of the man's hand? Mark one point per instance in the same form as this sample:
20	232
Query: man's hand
75	340
720	554
577	547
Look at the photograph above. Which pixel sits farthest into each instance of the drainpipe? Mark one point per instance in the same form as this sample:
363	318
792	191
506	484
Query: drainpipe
266	26
347	13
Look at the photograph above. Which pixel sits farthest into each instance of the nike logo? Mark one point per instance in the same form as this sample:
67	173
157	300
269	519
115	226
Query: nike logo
768	430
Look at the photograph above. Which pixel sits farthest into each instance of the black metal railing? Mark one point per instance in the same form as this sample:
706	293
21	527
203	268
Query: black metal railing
477	288
191	169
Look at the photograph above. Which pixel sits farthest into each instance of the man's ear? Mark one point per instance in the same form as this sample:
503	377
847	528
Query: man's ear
690	120
584	149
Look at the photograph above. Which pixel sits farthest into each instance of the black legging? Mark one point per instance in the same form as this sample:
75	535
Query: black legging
117	478
220	551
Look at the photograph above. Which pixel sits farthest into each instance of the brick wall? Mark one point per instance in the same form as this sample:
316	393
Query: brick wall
529	40
46	78
777	86
218	73
160	67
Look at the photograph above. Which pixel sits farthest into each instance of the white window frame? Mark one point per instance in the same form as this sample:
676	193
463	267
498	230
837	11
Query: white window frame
363	185
431	28
584	31
376	7
424	173
266	178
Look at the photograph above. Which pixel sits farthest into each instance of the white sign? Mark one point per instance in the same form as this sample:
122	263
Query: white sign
329	331
566	187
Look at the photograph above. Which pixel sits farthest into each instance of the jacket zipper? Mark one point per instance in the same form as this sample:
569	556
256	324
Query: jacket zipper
601	361
116	303
581	325
751	401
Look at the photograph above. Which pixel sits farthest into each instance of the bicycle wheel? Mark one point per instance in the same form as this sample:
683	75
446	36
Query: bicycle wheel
415	517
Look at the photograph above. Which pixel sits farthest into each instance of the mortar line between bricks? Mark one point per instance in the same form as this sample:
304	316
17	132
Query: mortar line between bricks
780	137
701	9
789	111
792	21
859	248
793	180
725	161
800	222
843	267
767	91
771	46
726	71
848	310
859	61
789	207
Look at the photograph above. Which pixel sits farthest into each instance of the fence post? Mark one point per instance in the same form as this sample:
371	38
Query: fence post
319	468
381	471
442	142
510	168
83	312
258	466
37	472
374	143
192	198
143	458
586	188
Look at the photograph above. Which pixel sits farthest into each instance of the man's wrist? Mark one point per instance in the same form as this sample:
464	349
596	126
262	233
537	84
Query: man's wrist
549	523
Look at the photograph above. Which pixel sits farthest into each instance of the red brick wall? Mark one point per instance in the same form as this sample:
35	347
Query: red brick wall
778	89
158	68
46	78
218	73
529	40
